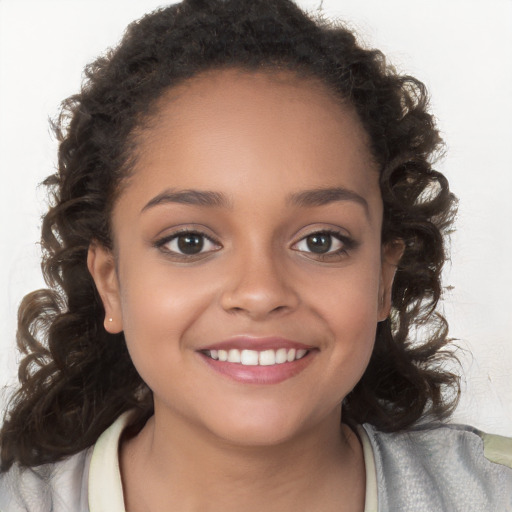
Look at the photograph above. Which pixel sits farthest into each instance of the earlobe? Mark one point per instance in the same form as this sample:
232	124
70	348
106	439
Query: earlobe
391	254
102	267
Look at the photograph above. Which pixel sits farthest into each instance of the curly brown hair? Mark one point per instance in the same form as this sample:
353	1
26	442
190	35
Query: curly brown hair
76	378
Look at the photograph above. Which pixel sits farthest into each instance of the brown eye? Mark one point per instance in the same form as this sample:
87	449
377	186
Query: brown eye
187	243
319	243
190	243
325	245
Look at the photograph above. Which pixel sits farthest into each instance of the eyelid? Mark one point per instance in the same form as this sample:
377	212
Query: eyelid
312	229
335	236
348	243
162	241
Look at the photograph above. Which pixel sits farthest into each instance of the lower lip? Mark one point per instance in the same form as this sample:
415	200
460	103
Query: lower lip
256	374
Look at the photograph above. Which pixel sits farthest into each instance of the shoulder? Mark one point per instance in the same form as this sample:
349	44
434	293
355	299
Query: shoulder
445	467
88	480
57	487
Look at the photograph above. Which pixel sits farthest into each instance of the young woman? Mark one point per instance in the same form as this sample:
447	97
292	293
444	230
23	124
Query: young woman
245	237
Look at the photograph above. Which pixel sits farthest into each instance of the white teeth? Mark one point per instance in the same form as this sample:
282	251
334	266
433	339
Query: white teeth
249	357
281	356
234	356
254	358
300	353
267	358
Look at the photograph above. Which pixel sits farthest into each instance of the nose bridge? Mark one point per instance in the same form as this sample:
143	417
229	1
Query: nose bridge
259	282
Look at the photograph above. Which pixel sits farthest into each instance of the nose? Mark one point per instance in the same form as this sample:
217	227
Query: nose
259	286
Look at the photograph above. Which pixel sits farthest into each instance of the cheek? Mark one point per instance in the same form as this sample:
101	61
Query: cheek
354	332
348	297
157	298
349	309
353	336
156	309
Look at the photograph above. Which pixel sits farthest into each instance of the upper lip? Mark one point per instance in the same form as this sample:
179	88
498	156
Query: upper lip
256	343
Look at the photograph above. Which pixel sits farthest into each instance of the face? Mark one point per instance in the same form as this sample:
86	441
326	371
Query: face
248	274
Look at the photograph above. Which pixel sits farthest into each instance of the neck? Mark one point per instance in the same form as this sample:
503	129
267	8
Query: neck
320	469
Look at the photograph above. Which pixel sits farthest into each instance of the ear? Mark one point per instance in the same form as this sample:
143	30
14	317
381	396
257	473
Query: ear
391	254
102	266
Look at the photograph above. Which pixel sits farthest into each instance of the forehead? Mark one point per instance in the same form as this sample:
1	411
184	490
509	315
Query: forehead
219	128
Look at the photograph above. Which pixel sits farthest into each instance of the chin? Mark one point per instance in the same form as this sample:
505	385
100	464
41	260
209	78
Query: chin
258	434
263	426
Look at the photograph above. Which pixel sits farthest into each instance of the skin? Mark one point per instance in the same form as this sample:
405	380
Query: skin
215	443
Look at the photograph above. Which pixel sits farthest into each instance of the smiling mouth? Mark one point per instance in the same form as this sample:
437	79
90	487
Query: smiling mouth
247	357
258	360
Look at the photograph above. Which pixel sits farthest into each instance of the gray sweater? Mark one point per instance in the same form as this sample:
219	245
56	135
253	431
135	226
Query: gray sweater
448	468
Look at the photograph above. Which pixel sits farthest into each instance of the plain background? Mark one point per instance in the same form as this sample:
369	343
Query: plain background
461	49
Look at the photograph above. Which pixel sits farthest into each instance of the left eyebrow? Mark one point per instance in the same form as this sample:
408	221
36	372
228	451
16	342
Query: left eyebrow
324	196
191	197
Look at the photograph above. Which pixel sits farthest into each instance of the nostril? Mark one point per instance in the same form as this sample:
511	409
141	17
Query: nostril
258	294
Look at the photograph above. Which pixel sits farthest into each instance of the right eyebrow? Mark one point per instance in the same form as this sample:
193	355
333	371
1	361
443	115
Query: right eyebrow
191	196
324	196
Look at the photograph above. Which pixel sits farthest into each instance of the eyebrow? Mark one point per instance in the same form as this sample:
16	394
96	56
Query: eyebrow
304	198
324	196
190	197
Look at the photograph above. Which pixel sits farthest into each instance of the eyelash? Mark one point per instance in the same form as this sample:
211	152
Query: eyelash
161	244
347	244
